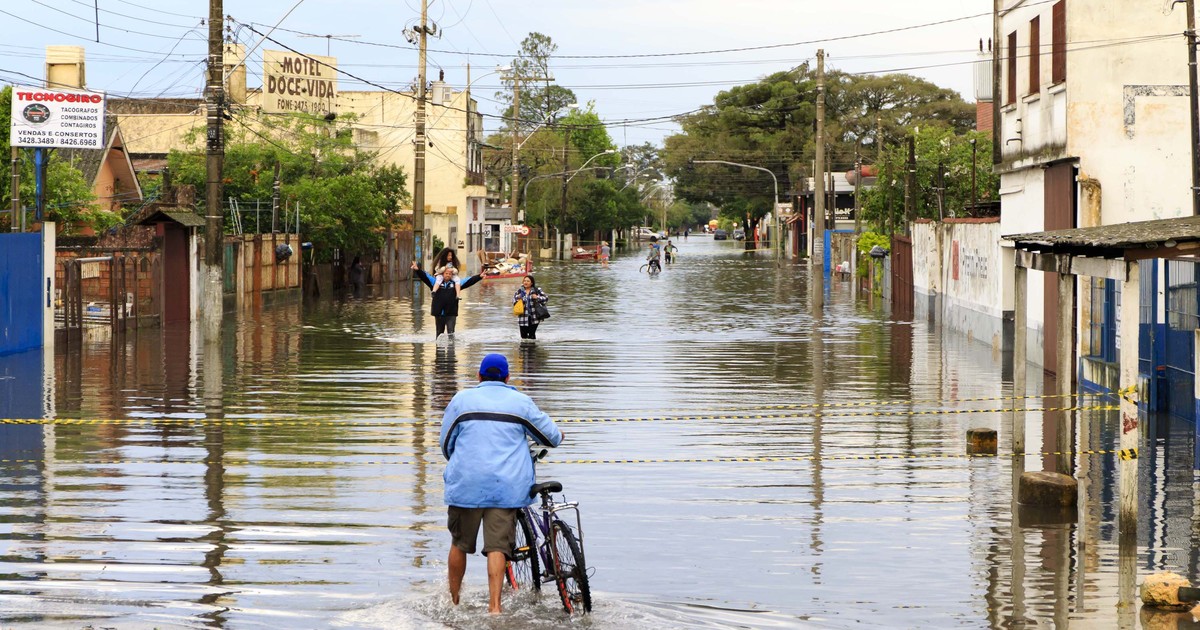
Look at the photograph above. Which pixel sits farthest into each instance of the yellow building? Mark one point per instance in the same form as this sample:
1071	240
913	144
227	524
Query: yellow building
382	121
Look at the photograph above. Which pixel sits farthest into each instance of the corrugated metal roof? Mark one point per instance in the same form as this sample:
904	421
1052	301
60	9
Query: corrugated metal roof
1112	240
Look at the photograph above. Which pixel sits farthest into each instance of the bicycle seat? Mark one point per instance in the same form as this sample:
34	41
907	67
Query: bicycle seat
549	486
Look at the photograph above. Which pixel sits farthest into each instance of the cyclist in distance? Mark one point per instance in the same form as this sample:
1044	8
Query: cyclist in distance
484	437
654	256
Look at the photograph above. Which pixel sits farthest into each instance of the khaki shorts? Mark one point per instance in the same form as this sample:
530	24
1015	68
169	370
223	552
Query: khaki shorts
499	528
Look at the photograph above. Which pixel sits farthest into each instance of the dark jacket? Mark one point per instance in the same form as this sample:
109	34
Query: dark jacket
445	301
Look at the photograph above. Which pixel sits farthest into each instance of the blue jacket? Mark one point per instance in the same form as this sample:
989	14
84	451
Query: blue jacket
483	436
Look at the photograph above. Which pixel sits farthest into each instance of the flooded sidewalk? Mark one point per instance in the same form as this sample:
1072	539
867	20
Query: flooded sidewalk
737	464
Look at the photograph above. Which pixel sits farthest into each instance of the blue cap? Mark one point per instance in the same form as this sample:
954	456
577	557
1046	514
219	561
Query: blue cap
494	366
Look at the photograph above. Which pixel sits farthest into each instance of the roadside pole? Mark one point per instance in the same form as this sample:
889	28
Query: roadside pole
419	151
816	266
214	228
16	189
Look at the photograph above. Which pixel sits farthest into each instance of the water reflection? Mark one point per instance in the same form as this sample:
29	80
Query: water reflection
316	501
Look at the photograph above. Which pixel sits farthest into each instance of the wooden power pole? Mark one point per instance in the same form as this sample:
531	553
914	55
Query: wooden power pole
419	150
214	228
816	266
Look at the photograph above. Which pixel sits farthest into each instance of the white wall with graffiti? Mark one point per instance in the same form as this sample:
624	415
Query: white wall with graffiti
957	276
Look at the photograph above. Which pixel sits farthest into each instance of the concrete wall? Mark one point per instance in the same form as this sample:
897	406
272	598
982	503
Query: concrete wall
958	265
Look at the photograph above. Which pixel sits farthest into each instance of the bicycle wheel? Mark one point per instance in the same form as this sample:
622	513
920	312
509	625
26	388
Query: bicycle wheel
642	269
522	570
570	570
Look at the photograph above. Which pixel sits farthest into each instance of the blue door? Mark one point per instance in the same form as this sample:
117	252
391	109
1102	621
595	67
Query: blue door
21	292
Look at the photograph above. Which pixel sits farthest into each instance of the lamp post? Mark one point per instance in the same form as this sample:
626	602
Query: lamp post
776	241
515	217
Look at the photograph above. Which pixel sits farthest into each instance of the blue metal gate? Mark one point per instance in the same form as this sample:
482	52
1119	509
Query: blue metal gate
21	292
1183	318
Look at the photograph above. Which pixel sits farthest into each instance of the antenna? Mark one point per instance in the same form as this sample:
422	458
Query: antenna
329	38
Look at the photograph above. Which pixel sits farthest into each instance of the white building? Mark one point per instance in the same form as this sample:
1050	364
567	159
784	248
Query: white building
1092	129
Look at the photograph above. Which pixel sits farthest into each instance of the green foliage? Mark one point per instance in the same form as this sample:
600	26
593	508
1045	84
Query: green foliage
868	240
948	196
345	197
69	197
438	244
539	99
770	124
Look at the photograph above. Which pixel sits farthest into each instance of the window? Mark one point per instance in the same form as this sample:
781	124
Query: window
1011	95
1058	43
1035	55
1102	329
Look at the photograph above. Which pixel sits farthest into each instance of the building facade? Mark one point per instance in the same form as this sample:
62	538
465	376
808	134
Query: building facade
1091	129
381	121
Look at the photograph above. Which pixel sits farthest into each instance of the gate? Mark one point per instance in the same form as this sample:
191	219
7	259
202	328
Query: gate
1183	318
21	292
902	277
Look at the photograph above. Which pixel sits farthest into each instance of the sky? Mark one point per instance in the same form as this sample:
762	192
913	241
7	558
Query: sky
620	55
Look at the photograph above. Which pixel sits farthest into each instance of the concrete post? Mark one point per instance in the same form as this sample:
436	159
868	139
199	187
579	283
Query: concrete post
1065	371
1127	468
1019	359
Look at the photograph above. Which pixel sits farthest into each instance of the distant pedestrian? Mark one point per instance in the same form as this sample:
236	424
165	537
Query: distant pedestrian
529	295
686	231
357	272
605	251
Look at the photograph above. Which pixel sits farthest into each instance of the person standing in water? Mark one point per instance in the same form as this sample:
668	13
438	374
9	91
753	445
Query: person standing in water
605	251
446	290
529	294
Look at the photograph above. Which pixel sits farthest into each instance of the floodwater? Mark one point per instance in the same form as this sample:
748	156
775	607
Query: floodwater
316	502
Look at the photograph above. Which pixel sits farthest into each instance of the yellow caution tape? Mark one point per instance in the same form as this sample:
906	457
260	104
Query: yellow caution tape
1124	454
263	422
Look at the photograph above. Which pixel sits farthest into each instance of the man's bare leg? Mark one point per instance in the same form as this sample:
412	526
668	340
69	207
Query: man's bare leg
457	564
496	565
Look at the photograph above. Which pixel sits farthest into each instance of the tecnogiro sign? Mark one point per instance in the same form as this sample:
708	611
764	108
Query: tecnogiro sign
57	119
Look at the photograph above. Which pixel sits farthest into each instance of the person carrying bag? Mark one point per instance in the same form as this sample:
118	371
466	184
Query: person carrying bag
528	299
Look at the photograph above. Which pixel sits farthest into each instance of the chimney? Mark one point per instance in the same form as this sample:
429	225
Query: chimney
235	82
65	67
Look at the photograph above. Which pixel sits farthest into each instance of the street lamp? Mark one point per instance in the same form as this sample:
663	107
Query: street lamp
774	200
589	161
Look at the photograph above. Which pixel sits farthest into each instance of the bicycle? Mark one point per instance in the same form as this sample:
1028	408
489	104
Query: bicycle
653	268
547	548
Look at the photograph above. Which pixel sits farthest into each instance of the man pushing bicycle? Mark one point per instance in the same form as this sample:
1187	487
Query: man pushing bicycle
485	438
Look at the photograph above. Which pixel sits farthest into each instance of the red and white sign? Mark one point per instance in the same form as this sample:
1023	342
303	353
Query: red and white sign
59	119
523	230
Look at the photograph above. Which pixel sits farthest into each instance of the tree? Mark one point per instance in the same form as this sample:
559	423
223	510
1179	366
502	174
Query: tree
69	197
345	196
771	124
539	100
946	196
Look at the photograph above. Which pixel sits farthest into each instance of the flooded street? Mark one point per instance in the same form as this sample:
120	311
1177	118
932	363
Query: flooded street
291	478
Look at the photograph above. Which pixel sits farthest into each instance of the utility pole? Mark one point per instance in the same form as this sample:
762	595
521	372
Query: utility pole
816	266
16	189
1194	101
974	190
910	185
831	204
214	229
516	78
419	150
275	201
562	209
857	190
